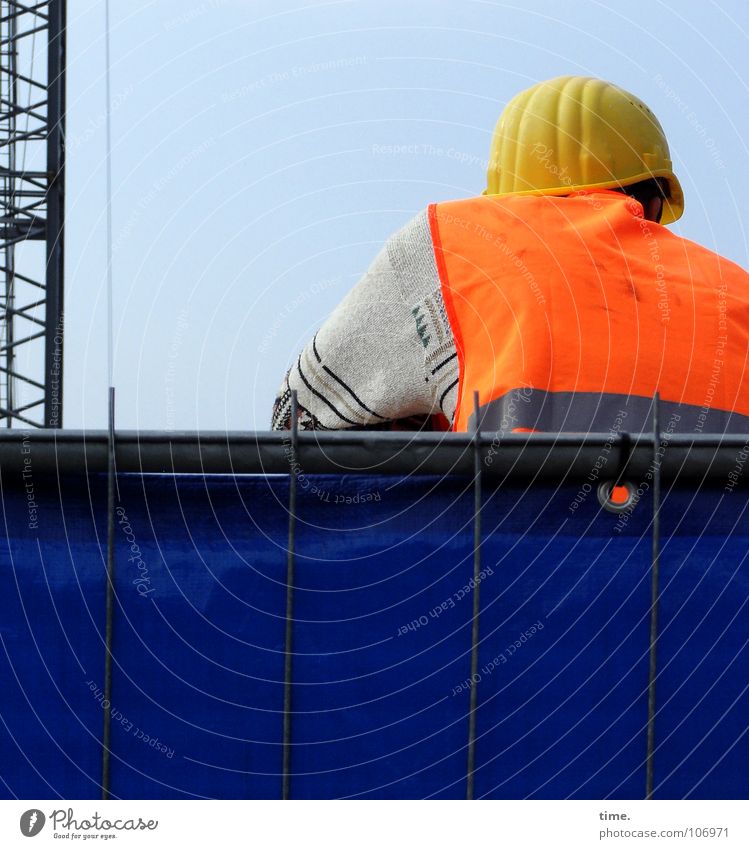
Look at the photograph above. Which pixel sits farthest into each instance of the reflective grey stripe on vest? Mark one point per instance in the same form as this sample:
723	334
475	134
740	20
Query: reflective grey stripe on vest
593	412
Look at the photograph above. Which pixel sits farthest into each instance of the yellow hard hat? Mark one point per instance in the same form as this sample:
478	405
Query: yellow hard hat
573	133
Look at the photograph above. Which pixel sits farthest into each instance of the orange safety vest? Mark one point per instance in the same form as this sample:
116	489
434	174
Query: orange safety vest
569	313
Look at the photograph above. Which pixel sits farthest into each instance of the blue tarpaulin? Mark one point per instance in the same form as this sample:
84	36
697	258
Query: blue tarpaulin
381	635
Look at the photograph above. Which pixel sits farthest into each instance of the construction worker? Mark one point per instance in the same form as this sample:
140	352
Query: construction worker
558	295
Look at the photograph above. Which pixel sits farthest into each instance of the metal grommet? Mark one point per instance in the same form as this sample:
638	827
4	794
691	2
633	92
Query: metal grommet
616	498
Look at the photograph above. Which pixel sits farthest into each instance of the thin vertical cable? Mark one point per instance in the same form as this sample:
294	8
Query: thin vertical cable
290	578
654	592
109	607
110	290
476	600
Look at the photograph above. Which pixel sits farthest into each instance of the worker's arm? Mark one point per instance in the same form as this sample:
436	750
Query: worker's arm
386	352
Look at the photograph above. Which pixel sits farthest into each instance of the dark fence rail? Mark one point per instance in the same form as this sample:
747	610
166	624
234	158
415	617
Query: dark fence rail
515	457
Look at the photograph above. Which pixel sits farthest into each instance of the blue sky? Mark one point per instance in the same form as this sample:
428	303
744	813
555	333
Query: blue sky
263	152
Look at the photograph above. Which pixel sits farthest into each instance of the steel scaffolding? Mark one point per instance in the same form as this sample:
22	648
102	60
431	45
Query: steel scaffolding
32	193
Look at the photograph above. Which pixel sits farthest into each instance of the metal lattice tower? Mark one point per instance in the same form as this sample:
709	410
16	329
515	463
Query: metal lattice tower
32	194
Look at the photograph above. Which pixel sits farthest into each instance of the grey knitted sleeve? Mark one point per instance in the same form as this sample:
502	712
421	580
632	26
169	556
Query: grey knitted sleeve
387	350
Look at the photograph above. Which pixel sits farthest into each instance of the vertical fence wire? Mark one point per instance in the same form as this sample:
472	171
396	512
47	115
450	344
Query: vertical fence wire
109	604
290	580
471	766
111	473
108	163
654	592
